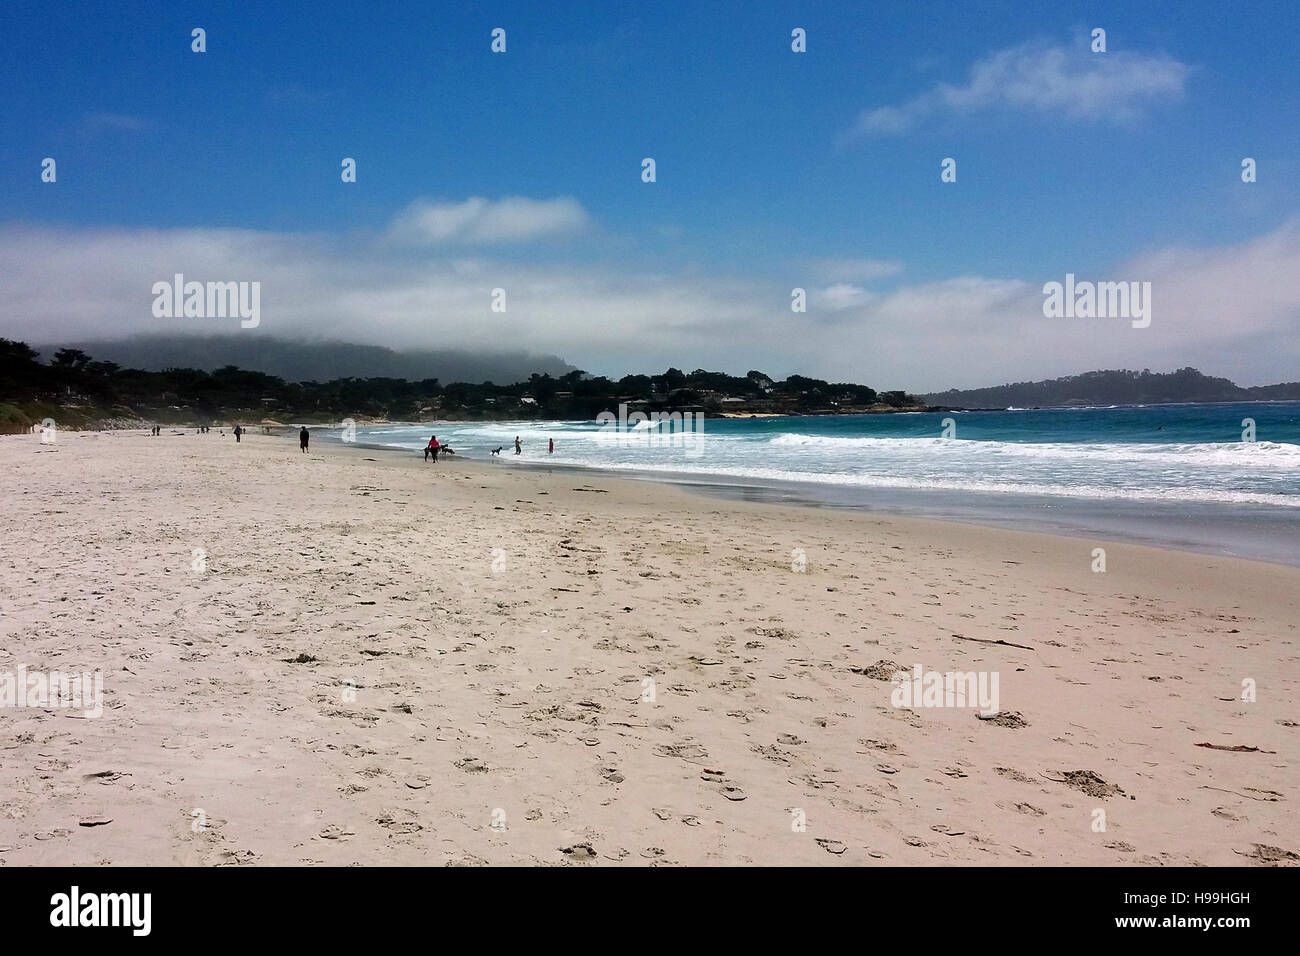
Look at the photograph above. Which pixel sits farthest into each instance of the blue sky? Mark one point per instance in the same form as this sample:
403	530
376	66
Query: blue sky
773	170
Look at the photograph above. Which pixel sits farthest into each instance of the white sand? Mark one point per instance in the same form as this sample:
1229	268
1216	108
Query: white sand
520	690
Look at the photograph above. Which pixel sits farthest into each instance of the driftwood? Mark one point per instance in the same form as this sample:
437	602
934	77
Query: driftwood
1266	799
982	640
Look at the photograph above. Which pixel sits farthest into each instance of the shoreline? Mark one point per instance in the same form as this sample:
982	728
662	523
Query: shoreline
1244	531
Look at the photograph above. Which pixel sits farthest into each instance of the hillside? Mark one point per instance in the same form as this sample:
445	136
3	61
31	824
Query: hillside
1115	387
313	361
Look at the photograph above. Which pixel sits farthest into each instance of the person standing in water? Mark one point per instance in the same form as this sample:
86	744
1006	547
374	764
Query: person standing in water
518	448
304	437
551	450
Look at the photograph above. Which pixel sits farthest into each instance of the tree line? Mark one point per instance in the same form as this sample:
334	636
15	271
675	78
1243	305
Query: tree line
77	391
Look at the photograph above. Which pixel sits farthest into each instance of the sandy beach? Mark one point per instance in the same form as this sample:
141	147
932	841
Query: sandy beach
354	657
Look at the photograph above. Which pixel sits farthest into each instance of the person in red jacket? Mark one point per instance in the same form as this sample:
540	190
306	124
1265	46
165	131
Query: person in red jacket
432	449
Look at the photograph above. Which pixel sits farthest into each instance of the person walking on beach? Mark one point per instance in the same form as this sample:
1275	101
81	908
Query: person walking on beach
432	449
518	448
238	432
304	437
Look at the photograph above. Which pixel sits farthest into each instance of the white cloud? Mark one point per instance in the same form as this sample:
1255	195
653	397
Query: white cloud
842	296
1232	310
479	220
1069	81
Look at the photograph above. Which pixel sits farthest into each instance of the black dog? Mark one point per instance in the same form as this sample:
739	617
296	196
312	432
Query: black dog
497	450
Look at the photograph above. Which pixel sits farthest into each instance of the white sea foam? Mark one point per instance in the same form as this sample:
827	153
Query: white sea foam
1262	472
1172	494
1267	454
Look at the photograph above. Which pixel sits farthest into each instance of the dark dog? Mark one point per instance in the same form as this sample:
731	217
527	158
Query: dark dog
497	450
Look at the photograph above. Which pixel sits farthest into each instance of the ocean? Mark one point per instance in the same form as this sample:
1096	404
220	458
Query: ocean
1223	478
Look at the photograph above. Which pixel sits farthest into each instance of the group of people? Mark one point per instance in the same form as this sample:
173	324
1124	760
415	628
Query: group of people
432	449
241	430
304	436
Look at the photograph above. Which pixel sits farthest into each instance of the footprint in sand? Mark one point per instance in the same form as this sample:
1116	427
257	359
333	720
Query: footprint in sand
687	751
104	776
335	832
580	852
1012	719
772	753
1013	774
398	821
236	858
1263	853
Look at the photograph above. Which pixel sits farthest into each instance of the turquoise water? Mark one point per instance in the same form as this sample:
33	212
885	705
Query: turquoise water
1166	453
